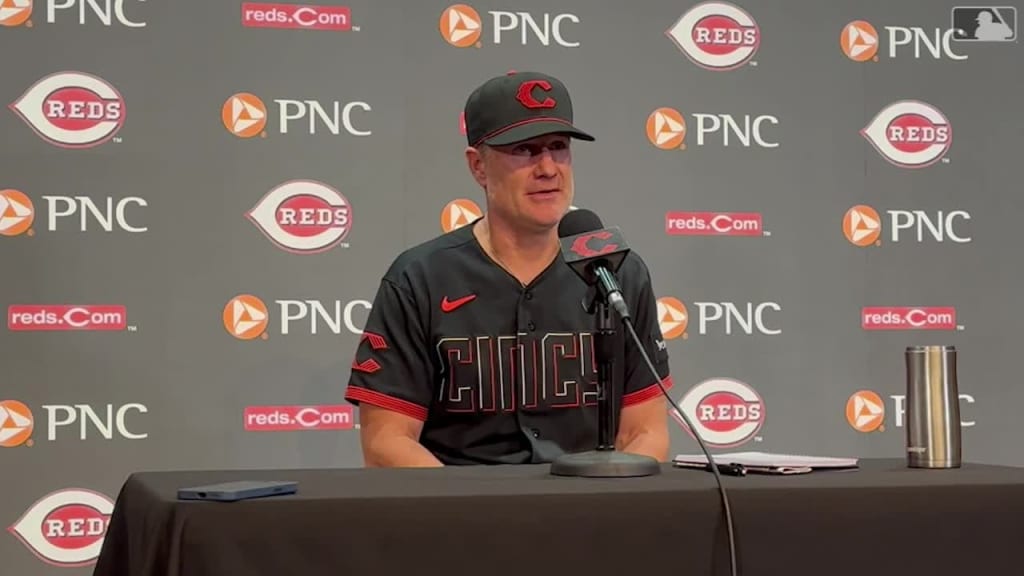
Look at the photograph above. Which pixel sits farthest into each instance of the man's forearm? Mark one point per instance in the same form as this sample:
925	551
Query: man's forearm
647	444
400	452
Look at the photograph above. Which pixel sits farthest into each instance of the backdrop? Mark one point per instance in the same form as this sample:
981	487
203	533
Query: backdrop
197	201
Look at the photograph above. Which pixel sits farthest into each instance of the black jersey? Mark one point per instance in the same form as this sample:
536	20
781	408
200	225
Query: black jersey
500	373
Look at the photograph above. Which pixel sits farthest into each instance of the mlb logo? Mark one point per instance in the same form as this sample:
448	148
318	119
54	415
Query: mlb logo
985	23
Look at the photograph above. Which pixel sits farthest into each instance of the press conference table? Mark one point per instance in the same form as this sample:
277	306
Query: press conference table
881	519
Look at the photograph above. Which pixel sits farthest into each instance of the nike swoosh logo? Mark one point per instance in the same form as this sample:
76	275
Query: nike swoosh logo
449	305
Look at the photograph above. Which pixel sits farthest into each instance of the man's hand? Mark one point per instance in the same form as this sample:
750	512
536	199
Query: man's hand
643	429
391	440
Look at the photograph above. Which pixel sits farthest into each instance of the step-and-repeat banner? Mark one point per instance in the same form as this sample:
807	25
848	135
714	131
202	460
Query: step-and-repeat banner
198	198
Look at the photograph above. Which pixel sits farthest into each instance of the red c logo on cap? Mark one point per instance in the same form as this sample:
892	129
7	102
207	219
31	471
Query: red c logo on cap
525	94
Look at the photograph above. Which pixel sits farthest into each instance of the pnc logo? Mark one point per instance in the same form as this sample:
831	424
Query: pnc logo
726	412
72	110
460	26
246	317
672	318
865	411
16	424
66	528
716	36
16	213
458	213
244	115
666	129
910	134
303	217
862	226
15	12
859	41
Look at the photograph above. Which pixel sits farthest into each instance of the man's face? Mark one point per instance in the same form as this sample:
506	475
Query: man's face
529	183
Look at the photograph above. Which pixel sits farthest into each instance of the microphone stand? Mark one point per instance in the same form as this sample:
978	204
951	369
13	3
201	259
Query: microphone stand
604	461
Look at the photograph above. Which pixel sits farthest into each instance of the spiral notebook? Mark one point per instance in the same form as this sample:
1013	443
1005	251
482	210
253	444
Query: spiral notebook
768	460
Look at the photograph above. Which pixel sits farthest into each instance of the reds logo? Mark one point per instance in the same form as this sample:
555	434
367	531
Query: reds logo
910	134
72	109
303	217
726	412
716	36
526	98
370	365
66	528
580	247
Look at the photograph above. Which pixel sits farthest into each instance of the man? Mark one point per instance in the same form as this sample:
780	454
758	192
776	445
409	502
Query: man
477	349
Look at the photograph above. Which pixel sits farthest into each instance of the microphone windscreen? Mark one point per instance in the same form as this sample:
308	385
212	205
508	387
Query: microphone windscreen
577	222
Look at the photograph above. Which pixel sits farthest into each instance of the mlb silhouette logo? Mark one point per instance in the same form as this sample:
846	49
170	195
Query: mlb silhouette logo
985	23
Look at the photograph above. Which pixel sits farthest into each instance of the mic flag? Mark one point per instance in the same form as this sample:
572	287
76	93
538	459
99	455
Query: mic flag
587	244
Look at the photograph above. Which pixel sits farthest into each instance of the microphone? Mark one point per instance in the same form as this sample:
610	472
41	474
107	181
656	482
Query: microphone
595	253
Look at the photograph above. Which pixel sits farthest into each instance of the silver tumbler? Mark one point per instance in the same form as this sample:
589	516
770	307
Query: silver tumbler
933	407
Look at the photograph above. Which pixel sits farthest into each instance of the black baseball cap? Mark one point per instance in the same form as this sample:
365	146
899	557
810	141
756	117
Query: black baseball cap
518	106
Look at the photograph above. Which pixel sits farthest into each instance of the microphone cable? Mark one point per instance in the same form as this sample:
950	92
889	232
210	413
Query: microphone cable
696	433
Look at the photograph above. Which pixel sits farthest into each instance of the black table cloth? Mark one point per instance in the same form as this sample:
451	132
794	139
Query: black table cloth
881	519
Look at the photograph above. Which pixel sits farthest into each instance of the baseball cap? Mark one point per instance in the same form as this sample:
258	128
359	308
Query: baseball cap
518	106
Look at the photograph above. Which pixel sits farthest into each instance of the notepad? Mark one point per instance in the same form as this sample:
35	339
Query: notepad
769	460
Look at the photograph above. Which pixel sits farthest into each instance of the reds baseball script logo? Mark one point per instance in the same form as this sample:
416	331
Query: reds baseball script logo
72	109
15	12
716	36
66	528
303	217
580	244
726	412
910	134
526	97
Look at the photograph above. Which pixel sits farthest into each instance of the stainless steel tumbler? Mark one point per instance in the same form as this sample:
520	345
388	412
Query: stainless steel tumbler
933	407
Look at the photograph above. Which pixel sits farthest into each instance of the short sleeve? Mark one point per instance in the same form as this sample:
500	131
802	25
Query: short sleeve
640	384
391	368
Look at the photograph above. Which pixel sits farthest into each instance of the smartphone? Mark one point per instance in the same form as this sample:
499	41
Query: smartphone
239	490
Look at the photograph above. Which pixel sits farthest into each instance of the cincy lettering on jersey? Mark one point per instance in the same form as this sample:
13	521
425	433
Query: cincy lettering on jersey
489	374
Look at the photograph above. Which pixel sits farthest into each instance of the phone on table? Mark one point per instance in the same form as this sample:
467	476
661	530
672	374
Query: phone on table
238	490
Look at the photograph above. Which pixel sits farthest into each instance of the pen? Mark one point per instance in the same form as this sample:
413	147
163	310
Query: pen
730	469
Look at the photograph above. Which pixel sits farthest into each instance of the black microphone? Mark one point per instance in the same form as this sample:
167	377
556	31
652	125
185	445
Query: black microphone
595	253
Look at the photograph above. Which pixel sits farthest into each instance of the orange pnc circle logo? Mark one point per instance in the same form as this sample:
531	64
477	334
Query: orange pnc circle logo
460	26
865	411
15	12
862	225
16	424
666	129
859	41
245	317
16	213
244	115
672	318
458	213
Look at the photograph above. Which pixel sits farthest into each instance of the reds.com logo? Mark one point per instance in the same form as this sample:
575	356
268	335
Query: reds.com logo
910	134
297	418
716	36
63	317
714	224
909	318
66	528
72	109
726	412
303	217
